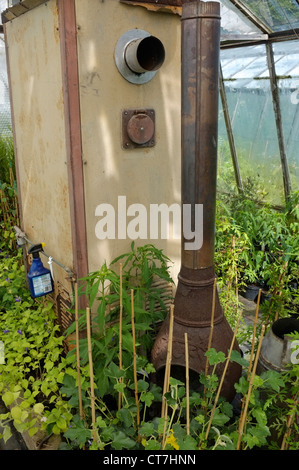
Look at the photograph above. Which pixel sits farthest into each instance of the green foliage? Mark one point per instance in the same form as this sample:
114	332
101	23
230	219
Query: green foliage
118	426
33	366
7	161
39	386
141	267
8	196
256	244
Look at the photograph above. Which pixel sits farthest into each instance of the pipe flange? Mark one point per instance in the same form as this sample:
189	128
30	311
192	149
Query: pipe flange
196	283
126	60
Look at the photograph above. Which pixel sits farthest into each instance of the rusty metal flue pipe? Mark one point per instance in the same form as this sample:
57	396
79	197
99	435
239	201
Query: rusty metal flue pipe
193	303
145	54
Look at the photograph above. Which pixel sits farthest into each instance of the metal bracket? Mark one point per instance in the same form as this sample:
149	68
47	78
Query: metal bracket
138	128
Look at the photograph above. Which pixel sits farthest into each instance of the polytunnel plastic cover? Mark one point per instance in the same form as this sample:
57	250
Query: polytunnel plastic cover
265	124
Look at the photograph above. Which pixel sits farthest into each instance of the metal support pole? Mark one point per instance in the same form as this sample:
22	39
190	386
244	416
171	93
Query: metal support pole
230	134
278	120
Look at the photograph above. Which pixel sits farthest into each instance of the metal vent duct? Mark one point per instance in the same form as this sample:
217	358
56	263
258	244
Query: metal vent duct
194	296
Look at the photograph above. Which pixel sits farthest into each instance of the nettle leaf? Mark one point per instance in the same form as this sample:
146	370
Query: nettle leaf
256	435
260	416
258	381
273	379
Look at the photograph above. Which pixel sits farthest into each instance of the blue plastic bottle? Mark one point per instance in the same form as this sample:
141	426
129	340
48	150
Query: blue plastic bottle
39	277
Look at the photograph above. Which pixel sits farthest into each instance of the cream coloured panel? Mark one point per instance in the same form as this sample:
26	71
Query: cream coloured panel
146	176
38	112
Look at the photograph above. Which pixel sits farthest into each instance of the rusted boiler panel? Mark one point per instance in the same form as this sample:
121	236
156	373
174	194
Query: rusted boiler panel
84	133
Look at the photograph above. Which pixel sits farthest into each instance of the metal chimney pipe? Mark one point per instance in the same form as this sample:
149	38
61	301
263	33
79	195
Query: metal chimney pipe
193	301
145	54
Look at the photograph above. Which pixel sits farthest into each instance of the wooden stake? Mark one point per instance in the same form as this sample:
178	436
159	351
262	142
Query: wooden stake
164	413
212	325
243	416
168	362
134	359
254	331
222	377
120	331
92	396
78	352
290	422
187	385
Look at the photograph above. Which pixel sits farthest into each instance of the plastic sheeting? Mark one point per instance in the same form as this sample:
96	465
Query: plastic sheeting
250	104
277	15
5	113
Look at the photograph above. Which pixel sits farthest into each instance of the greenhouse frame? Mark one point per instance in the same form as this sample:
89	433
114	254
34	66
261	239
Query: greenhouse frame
259	91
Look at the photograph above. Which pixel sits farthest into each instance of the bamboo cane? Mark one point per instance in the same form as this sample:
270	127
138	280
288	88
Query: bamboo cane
277	311
222	377
212	325
78	352
164	413
187	385
134	359
289	424
92	396
252	343
168	362
244	414
254	331
120	331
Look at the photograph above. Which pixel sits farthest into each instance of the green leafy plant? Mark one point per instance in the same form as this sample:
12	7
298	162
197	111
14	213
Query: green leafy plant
40	387
33	363
256	244
141	267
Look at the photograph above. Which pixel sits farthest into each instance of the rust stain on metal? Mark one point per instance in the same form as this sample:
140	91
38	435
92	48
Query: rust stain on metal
138	128
177	3
193	303
19	9
167	7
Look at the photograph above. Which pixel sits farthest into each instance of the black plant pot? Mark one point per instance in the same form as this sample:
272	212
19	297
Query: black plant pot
251	292
265	297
